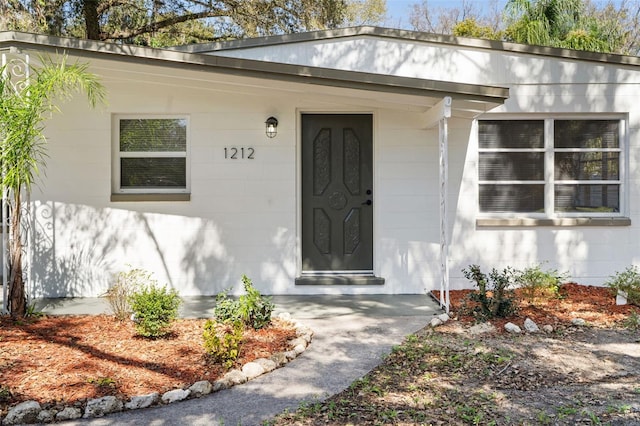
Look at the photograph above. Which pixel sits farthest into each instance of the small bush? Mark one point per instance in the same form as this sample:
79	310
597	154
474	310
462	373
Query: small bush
154	309
633	321
535	282
32	311
222	341
5	394
494	295
227	309
119	293
253	309
102	382
627	281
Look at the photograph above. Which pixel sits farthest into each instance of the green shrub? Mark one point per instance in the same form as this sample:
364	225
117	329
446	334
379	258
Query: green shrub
5	393
253	309
154	309
627	281
494	295
632	322
227	309
535	282
119	293
222	341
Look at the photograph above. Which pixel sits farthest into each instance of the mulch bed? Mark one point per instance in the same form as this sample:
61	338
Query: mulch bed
596	305
61	360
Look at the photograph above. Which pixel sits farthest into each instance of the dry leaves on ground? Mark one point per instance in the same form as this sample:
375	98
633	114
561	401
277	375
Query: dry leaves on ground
449	376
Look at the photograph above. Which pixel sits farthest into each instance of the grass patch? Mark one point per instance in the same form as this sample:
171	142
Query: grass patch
417	384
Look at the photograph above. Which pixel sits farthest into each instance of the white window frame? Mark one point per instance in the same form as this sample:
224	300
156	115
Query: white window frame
117	155
549	165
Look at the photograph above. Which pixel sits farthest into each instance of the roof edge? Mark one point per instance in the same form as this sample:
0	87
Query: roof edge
444	39
257	69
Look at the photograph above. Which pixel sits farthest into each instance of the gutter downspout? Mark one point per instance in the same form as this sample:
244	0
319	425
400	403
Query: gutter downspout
439	114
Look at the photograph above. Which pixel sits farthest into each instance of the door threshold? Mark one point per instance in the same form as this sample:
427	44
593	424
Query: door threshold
338	279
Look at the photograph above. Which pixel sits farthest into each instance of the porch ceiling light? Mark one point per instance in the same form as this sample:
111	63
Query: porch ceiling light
271	127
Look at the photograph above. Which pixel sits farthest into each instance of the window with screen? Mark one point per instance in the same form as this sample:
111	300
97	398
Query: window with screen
550	166
151	155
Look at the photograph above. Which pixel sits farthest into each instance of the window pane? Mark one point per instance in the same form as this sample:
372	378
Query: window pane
587	165
153	172
153	135
511	166
587	198
511	134
586	133
511	198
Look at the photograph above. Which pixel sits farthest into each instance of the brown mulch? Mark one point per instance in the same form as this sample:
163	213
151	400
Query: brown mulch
65	360
596	305
62	360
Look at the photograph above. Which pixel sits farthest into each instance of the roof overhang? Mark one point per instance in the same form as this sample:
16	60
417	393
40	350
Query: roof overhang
467	97
413	36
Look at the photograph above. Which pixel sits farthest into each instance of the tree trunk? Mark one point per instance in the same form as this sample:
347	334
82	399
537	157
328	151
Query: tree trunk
17	296
92	24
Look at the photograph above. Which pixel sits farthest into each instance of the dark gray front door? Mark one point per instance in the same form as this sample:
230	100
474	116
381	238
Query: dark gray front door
337	193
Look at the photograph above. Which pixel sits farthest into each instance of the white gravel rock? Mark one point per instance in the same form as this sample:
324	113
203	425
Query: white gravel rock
203	387
291	355
235	377
578	321
142	401
298	341
267	364
547	328
98	407
69	413
175	395
252	370
444	317
45	416
531	326
25	412
436	322
219	385
279	358
512	328
302	329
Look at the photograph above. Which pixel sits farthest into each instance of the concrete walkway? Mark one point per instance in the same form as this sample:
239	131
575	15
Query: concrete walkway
352	333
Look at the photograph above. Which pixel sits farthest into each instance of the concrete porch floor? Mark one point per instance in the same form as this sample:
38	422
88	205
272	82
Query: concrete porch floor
301	307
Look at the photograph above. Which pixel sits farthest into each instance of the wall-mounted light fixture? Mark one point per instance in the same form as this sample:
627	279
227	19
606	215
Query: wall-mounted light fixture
271	127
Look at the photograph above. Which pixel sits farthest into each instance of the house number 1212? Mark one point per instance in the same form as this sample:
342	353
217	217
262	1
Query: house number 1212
242	153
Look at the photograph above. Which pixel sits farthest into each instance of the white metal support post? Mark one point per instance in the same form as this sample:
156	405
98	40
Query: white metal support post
439	114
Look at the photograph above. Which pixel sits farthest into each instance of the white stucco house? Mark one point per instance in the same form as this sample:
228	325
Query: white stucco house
398	159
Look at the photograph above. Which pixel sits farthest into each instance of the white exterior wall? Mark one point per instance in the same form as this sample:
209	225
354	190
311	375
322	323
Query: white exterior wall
243	217
550	87
243	214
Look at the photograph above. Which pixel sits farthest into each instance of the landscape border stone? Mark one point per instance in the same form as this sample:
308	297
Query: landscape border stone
100	406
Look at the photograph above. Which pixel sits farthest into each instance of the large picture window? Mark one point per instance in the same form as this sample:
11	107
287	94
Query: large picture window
151	155
550	167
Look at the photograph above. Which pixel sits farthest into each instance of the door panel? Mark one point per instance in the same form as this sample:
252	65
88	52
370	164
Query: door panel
337	191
